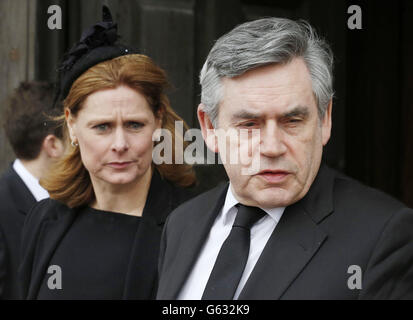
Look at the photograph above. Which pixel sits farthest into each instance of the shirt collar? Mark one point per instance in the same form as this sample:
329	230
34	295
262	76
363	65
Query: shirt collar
32	183
231	201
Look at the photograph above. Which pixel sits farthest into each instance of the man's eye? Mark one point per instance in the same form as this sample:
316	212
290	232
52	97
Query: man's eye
294	120
134	125
101	127
248	124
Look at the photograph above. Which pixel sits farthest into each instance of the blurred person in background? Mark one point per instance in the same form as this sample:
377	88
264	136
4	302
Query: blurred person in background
37	143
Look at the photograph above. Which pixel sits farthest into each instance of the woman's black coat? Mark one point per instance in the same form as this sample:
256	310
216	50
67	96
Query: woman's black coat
49	220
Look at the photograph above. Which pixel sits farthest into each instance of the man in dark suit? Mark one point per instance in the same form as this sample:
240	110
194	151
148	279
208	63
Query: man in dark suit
36	143
286	226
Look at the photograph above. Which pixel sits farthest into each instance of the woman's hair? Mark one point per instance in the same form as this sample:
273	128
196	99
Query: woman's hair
68	180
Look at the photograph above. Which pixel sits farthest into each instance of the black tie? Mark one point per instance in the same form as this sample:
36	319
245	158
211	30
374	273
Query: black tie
233	256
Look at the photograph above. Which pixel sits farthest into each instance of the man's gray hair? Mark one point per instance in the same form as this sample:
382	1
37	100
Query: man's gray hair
262	42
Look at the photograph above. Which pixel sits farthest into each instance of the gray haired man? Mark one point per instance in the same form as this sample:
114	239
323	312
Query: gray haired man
293	228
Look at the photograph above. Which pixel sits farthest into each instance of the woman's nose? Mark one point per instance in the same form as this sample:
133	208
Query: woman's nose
120	143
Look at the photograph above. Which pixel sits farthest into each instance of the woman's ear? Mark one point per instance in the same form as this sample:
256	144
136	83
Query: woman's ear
158	126
70	125
159	119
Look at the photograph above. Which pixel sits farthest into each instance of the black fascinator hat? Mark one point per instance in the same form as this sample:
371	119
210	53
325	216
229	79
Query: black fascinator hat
98	43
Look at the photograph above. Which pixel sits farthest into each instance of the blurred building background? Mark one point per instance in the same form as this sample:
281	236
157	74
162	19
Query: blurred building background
373	112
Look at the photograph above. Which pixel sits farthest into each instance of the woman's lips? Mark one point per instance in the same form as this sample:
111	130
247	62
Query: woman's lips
119	165
274	176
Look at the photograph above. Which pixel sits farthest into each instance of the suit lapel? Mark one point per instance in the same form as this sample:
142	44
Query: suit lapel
21	195
141	275
51	233
295	240
195	234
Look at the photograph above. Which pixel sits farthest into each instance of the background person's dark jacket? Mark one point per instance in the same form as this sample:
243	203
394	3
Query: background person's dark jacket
338	224
15	202
48	221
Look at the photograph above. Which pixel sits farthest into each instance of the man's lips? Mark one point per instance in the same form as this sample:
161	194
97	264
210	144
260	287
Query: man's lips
273	176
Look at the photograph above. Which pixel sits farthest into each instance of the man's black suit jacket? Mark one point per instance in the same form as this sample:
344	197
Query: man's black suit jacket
15	202
338	224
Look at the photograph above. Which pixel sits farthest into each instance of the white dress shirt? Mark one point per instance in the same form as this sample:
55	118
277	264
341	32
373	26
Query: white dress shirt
260	233
32	183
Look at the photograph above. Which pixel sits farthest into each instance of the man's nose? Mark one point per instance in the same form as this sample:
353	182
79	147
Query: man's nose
120	143
272	141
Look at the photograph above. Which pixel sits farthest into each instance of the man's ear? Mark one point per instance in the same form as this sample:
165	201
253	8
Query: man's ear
327	123
70	122
53	146
208	132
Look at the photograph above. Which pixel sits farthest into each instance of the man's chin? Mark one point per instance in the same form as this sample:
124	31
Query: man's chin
274	203
270	198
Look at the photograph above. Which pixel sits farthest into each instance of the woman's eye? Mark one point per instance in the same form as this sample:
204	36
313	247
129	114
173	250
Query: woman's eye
134	125
101	127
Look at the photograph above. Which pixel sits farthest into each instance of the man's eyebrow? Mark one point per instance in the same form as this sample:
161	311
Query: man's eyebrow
298	111
243	114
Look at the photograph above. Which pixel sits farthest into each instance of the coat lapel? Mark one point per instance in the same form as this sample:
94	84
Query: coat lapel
51	233
141	276
195	235
293	243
